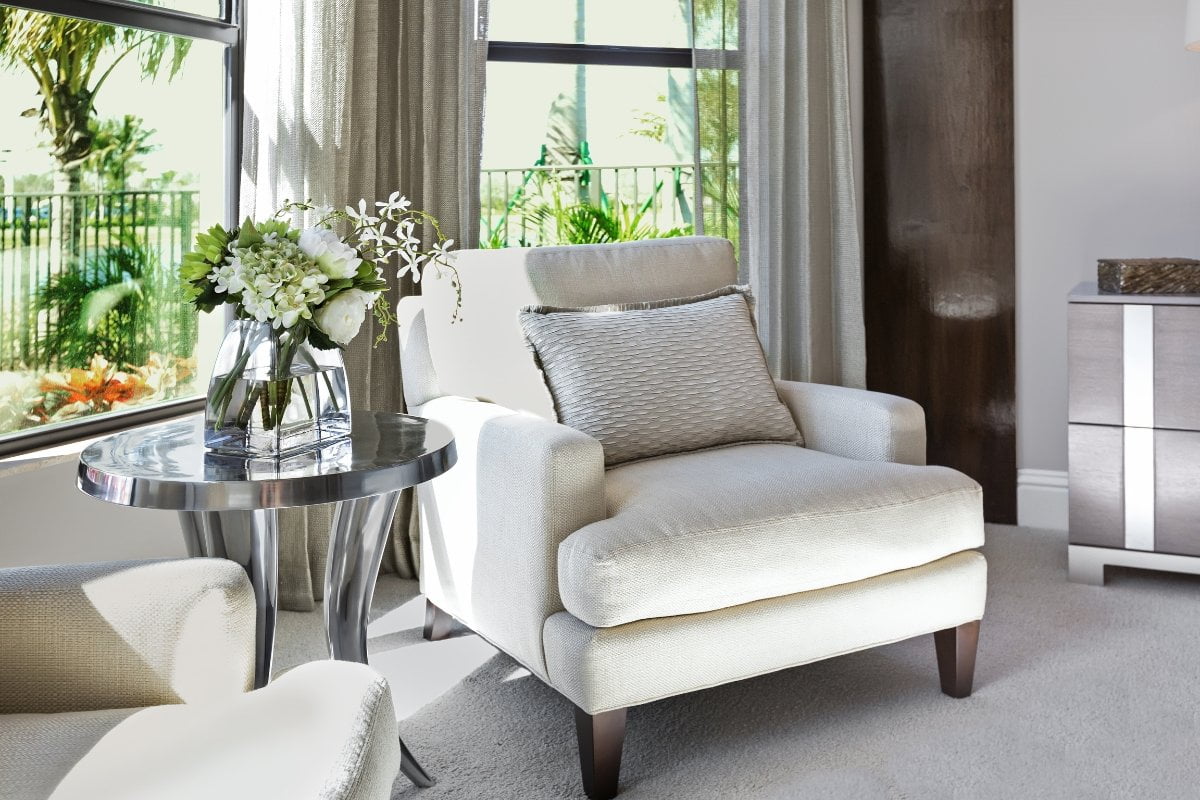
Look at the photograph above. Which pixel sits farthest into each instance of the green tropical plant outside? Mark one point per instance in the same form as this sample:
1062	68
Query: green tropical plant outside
112	304
64	55
117	144
585	223
551	206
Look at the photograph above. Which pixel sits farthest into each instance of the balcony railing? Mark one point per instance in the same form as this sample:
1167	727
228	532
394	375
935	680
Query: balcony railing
132	237
530	206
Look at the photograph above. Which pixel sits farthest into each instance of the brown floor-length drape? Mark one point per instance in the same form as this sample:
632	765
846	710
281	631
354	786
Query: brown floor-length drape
357	99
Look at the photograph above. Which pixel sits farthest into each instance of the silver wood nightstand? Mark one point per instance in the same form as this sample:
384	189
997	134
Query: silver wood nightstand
1134	431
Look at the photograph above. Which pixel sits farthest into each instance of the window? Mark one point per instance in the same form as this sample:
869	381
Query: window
110	162
609	120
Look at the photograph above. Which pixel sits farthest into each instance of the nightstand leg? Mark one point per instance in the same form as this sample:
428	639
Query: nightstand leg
1085	566
361	529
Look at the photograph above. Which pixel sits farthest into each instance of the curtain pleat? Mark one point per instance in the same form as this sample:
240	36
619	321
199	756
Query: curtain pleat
352	100
800	243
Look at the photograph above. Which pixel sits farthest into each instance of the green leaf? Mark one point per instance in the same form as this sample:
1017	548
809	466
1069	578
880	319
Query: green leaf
209	298
194	273
249	234
320	340
366	271
207	240
279	228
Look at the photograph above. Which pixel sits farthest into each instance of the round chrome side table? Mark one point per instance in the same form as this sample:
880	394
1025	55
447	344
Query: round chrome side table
228	508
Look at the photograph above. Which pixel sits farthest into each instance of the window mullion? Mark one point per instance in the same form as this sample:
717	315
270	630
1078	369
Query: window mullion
590	54
139	15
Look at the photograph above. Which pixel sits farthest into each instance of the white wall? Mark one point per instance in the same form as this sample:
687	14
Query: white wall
44	519
1108	165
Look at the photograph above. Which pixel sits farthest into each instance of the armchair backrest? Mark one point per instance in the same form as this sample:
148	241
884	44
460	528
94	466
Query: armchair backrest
484	355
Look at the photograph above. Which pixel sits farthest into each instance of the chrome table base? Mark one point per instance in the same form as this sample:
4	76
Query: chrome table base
360	533
361	530
251	538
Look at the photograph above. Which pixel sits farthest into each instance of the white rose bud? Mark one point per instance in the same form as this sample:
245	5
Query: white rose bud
335	258
342	316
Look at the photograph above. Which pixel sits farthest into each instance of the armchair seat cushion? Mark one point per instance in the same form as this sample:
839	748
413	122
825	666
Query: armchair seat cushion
37	750
702	531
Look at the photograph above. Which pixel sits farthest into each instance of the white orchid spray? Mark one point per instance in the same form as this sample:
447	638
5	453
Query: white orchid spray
312	284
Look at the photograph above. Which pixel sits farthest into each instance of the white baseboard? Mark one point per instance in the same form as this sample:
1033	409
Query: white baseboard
1042	499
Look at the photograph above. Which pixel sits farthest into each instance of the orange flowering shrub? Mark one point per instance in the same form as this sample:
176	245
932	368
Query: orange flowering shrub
102	387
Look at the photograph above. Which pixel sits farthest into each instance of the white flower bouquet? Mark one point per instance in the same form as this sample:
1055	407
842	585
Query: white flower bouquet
296	291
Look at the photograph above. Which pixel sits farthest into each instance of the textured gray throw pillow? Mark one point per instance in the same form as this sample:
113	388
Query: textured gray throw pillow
650	379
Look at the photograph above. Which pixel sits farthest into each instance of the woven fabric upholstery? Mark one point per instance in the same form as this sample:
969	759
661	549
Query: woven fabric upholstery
420	378
600	669
119	635
855	423
666	377
491	527
37	750
326	731
629	272
702	531
484	355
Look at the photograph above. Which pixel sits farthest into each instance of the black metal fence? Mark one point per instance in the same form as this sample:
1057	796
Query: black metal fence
517	203
54	242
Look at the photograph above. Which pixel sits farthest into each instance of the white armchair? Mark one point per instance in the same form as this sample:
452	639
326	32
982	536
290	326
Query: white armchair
622	586
133	680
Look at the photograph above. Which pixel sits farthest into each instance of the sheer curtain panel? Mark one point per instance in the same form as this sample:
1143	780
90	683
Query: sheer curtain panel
800	244
358	99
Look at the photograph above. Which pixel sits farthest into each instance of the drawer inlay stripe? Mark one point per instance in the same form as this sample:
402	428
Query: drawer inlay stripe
1139	366
1139	488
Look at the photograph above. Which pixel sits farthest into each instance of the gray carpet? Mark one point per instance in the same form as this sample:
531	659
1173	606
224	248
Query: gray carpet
1080	692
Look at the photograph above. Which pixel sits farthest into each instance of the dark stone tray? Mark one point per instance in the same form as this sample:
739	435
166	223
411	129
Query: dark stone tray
1149	275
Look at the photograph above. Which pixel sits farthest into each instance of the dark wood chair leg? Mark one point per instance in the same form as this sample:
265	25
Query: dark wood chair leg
437	623
601	737
956	657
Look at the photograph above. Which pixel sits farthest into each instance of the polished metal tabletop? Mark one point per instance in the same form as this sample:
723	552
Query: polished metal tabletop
166	466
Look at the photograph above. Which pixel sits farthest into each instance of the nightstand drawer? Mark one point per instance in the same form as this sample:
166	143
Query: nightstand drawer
1134	364
1095	347
1135	488
1177	492
1096	482
1177	367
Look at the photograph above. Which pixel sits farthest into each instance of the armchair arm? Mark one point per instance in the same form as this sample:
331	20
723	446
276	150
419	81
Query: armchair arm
855	423
491	526
78	637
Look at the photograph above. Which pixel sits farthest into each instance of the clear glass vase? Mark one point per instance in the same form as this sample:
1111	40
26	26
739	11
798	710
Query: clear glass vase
272	397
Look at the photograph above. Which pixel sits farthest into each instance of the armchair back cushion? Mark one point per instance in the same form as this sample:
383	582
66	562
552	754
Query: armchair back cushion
485	356
651	379
78	637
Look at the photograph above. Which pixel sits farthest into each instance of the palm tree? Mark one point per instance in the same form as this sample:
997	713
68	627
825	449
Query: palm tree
64	56
117	144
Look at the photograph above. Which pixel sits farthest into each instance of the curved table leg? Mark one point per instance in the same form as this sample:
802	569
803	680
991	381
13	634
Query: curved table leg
251	538
361	529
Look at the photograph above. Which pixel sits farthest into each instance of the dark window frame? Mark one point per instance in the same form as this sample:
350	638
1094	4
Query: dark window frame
591	54
228	29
